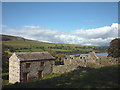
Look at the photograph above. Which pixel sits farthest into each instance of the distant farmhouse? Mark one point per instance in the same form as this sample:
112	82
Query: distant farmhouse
26	66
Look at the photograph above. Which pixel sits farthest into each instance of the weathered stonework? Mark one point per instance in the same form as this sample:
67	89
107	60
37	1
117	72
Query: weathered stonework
21	70
14	69
72	62
92	57
35	66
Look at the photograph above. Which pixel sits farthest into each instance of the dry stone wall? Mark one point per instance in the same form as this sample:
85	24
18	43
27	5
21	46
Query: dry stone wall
65	68
71	63
71	67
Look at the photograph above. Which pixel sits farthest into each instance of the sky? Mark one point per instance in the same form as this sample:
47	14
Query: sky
83	23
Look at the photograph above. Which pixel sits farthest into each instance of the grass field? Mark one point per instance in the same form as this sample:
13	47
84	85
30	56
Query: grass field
30	50
61	50
104	77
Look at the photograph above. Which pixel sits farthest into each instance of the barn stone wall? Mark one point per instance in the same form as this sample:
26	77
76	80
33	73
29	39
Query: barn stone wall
35	66
14	69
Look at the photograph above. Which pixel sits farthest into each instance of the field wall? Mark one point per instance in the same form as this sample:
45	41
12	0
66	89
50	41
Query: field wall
72	66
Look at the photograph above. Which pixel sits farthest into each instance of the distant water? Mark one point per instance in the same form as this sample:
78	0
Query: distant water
98	54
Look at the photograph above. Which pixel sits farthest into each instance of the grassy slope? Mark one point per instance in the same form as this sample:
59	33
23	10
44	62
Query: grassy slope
105	77
18	42
21	42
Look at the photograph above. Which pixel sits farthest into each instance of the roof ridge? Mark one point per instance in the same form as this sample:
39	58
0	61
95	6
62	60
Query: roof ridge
26	56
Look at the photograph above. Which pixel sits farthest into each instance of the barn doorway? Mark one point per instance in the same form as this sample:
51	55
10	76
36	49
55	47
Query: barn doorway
24	77
40	74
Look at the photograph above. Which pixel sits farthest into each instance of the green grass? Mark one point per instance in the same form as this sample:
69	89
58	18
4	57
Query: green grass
37	50
30	50
5	77
5	82
49	76
61	50
104	77
23	50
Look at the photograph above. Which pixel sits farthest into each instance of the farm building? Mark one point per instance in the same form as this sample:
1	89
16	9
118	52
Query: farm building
26	66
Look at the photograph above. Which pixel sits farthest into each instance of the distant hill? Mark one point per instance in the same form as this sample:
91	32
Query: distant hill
19	44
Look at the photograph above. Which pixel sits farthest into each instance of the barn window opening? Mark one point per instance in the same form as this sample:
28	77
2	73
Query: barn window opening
42	53
42	64
27	65
65	58
71	57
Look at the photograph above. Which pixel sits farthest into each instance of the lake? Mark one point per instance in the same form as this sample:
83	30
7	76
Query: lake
98	54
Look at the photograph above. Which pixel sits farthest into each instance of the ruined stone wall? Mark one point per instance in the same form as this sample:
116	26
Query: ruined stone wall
109	61
35	66
14	69
71	64
67	61
114	60
68	67
77	59
71	60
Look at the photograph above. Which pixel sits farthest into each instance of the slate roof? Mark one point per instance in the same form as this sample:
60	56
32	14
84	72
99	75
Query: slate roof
28	56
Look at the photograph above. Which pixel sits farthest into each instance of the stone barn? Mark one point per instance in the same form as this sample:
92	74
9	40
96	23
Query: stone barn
26	66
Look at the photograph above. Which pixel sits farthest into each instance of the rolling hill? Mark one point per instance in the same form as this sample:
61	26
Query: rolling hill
19	44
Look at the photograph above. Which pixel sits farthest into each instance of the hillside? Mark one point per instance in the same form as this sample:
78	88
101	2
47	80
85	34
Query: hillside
19	44
104	77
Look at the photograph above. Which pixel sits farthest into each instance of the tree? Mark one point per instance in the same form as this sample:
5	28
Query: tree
114	48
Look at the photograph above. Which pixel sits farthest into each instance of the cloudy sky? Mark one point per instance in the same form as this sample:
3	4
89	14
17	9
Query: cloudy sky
72	23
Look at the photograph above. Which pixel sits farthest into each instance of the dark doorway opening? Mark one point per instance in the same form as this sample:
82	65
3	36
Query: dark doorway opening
24	77
40	74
